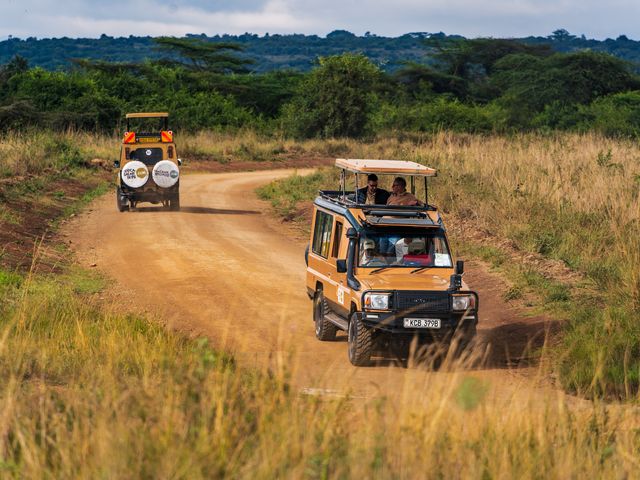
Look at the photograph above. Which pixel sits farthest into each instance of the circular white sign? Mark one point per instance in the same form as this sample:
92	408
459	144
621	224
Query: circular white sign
165	174
134	174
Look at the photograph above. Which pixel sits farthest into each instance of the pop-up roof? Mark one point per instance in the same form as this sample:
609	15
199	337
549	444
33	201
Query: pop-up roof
385	167
148	115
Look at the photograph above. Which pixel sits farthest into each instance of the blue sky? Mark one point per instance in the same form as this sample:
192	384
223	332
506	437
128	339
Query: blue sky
497	18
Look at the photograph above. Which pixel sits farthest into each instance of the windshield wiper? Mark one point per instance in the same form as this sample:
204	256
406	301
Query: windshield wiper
380	269
419	269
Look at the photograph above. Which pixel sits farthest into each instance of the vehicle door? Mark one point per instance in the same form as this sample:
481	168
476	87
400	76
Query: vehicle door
320	266
339	244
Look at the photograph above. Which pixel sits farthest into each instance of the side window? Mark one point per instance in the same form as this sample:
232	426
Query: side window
336	240
322	234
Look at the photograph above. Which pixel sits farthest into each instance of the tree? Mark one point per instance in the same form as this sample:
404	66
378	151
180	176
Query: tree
529	84
204	56
336	99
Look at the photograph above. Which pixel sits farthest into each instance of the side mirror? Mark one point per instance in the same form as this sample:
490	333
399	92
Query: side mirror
179	162
116	164
460	267
341	266
352	233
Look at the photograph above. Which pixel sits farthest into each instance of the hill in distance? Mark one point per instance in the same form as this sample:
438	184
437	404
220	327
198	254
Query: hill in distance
281	52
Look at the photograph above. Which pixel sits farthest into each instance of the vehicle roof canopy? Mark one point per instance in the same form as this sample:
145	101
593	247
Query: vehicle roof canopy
386	167
148	115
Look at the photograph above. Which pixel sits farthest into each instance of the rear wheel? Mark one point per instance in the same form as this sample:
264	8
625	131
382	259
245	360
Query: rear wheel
175	203
360	342
325	330
121	200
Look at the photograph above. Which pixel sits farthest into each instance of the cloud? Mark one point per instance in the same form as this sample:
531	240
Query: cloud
90	18
144	17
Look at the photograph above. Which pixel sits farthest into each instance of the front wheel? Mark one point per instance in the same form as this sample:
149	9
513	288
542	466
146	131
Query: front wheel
360	342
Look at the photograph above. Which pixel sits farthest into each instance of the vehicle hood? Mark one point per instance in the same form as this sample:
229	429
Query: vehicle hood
406	281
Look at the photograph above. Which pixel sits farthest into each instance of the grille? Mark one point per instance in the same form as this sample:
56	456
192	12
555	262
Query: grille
422	302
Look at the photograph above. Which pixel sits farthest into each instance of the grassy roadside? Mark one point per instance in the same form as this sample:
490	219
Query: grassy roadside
88	392
571	200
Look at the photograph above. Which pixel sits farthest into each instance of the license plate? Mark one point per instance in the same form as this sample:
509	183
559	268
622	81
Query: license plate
148	139
422	323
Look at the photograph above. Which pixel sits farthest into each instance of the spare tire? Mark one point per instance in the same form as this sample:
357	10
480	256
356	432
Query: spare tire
134	174
165	174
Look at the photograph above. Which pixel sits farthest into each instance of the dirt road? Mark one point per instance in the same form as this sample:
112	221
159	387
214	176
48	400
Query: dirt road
223	268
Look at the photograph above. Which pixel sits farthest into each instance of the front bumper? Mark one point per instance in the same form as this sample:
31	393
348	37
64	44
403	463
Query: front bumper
393	322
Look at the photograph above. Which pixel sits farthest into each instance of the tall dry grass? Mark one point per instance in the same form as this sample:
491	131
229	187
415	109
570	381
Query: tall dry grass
88	393
41	152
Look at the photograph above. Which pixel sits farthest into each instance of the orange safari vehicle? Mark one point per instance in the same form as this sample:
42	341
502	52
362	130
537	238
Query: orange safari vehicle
384	272
148	166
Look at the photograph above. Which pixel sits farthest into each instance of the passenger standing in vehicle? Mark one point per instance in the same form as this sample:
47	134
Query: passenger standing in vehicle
371	194
400	196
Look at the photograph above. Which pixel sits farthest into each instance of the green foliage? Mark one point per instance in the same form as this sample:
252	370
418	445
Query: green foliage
529	84
471	86
614	115
436	115
335	100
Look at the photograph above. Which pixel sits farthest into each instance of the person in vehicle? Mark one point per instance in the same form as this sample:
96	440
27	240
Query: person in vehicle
368	252
371	194
400	196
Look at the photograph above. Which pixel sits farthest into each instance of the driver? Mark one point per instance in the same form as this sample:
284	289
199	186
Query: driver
368	251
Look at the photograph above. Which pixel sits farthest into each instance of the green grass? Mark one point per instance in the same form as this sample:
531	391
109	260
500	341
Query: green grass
285	195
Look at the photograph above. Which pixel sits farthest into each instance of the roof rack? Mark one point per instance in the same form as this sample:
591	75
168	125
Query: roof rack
359	166
147	115
347	199
388	167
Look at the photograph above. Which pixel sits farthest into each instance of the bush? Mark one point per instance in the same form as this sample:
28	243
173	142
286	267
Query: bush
441	114
335	100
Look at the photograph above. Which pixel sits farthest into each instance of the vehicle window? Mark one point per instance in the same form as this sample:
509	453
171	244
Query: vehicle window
335	251
322	234
148	156
405	249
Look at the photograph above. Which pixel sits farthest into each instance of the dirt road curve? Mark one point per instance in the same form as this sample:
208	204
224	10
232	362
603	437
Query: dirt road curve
222	268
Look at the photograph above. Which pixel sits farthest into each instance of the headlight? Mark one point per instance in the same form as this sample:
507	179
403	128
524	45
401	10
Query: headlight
463	302
376	301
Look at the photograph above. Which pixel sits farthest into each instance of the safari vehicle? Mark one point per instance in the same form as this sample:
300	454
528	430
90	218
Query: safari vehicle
148	150
384	274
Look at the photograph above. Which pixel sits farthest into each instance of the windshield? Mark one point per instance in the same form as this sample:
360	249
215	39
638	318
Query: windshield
409	249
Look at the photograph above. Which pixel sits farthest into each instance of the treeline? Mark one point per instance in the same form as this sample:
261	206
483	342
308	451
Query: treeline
478	86
279	52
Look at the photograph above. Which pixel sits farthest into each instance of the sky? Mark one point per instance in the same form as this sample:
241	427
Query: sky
487	18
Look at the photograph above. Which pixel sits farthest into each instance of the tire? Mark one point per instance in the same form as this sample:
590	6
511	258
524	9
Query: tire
466	337
174	203
121	201
360	342
325	330
306	255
